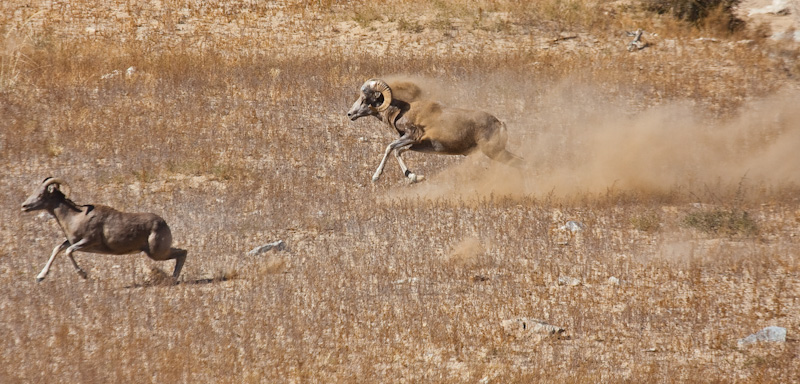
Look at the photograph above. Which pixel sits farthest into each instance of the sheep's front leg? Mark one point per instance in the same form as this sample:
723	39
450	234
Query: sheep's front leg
46	268
403	141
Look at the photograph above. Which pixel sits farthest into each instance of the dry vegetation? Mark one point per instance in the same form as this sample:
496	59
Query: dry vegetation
680	159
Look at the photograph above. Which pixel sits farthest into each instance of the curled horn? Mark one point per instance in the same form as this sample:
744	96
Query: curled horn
54	180
378	85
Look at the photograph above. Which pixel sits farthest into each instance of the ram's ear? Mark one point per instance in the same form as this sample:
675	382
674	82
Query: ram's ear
53	184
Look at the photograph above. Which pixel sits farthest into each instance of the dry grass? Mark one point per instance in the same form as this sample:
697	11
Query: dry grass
232	128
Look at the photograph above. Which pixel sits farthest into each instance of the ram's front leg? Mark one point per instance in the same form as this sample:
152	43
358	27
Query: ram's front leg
379	171
52	258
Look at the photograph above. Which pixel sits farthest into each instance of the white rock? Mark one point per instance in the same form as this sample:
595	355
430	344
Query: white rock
526	326
278	245
778	7
774	334
570	281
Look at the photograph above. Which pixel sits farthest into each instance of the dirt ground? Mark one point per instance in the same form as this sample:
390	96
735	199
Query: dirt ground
656	220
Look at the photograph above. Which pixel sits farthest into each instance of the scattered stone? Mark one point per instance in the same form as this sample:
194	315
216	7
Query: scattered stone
524	326
708	39
613	281
574	226
410	280
564	234
128	73
788	35
636	43
567	280
774	334
110	75
278	245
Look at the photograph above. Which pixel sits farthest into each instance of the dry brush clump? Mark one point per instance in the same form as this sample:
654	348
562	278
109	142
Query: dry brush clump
235	133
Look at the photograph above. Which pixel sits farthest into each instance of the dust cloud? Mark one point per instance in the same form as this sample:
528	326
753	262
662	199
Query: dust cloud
466	252
574	140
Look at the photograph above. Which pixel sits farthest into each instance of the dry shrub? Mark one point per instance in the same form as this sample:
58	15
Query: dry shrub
723	222
646	221
714	15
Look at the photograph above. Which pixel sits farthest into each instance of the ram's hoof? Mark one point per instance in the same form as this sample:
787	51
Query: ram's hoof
414	178
375	179
82	274
39	279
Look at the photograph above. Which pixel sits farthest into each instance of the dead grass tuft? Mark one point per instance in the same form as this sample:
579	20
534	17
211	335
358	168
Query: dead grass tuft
274	264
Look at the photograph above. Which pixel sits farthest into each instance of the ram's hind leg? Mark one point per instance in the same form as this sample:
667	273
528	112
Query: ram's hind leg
495	149
75	247
180	257
507	157
413	177
403	142
160	247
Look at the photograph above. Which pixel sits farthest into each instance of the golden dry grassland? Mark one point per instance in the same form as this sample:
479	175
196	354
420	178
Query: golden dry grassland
680	159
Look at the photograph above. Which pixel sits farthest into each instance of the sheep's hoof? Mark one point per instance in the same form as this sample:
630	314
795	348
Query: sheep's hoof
39	279
375	179
414	178
82	274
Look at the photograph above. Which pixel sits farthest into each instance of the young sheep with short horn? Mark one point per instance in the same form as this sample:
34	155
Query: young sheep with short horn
428	126
102	229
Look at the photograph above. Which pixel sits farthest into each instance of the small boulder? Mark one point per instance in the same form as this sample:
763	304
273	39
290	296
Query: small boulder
524	326
774	334
569	281
278	245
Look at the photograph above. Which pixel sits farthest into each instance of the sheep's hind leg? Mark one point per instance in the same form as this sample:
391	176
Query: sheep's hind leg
180	257
46	268
412	177
77	247
403	141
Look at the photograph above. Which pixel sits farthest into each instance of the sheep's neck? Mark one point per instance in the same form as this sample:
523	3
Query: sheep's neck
63	211
393	114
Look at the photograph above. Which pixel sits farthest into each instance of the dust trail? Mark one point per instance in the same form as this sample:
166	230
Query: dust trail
578	142
465	253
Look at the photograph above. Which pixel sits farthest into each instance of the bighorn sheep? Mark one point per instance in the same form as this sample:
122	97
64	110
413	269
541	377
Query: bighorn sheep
102	229
429	126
